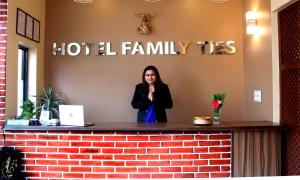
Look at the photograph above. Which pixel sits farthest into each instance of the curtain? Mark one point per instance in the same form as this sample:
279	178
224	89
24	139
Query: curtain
256	153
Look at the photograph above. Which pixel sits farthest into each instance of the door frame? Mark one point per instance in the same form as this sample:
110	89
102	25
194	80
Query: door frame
276	6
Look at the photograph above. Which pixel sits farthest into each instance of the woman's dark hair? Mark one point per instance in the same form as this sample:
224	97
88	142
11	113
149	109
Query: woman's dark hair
158	80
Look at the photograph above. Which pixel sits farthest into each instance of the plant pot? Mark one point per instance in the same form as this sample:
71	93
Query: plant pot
50	122
17	122
34	122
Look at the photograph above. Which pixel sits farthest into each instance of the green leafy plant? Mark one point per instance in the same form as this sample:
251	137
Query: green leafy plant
28	109
50	101
218	97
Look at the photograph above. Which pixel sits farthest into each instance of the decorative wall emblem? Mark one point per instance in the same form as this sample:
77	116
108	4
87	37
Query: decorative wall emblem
220	1
145	25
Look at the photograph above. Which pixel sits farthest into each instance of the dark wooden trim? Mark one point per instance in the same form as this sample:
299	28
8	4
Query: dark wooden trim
289	6
232	154
290	66
283	153
289	145
171	126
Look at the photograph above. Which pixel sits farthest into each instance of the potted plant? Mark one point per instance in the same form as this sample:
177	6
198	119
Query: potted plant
28	109
26	118
49	105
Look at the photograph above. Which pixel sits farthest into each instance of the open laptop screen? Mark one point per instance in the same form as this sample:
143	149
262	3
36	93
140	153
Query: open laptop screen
71	115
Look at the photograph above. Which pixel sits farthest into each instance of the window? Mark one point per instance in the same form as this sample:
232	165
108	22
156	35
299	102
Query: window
27	64
23	72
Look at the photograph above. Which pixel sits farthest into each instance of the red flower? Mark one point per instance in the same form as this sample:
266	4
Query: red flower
215	104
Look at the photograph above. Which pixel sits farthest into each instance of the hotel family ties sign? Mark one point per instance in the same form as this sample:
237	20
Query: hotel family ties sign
140	48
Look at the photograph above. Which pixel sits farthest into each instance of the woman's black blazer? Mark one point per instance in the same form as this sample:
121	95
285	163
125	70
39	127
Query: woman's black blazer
162	100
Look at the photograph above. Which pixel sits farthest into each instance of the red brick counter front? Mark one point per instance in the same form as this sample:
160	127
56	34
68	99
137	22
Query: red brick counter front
92	154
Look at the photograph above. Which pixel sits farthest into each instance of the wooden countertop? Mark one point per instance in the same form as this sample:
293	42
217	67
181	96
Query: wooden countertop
171	126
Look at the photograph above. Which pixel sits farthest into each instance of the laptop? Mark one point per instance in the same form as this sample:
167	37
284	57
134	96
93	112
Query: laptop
71	115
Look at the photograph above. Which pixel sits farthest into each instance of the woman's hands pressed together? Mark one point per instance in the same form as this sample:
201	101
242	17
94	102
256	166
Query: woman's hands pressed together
151	92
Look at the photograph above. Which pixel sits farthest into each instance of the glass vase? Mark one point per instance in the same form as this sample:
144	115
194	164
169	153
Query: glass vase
216	116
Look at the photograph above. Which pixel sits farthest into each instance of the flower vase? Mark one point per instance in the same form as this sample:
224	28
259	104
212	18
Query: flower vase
216	116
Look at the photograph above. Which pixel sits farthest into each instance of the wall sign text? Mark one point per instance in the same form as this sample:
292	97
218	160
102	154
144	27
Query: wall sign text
140	48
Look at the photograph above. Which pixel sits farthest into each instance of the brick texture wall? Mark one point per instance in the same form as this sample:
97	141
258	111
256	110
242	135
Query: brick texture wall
88	155
3	44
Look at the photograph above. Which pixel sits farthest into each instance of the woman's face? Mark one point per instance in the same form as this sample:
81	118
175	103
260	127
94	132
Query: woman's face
150	76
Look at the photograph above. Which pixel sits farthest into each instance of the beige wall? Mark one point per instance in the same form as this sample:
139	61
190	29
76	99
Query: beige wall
105	84
35	8
258	63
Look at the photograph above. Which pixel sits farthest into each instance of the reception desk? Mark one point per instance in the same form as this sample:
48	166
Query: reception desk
132	150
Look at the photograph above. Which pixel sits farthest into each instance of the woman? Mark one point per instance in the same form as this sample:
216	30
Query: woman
152	97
